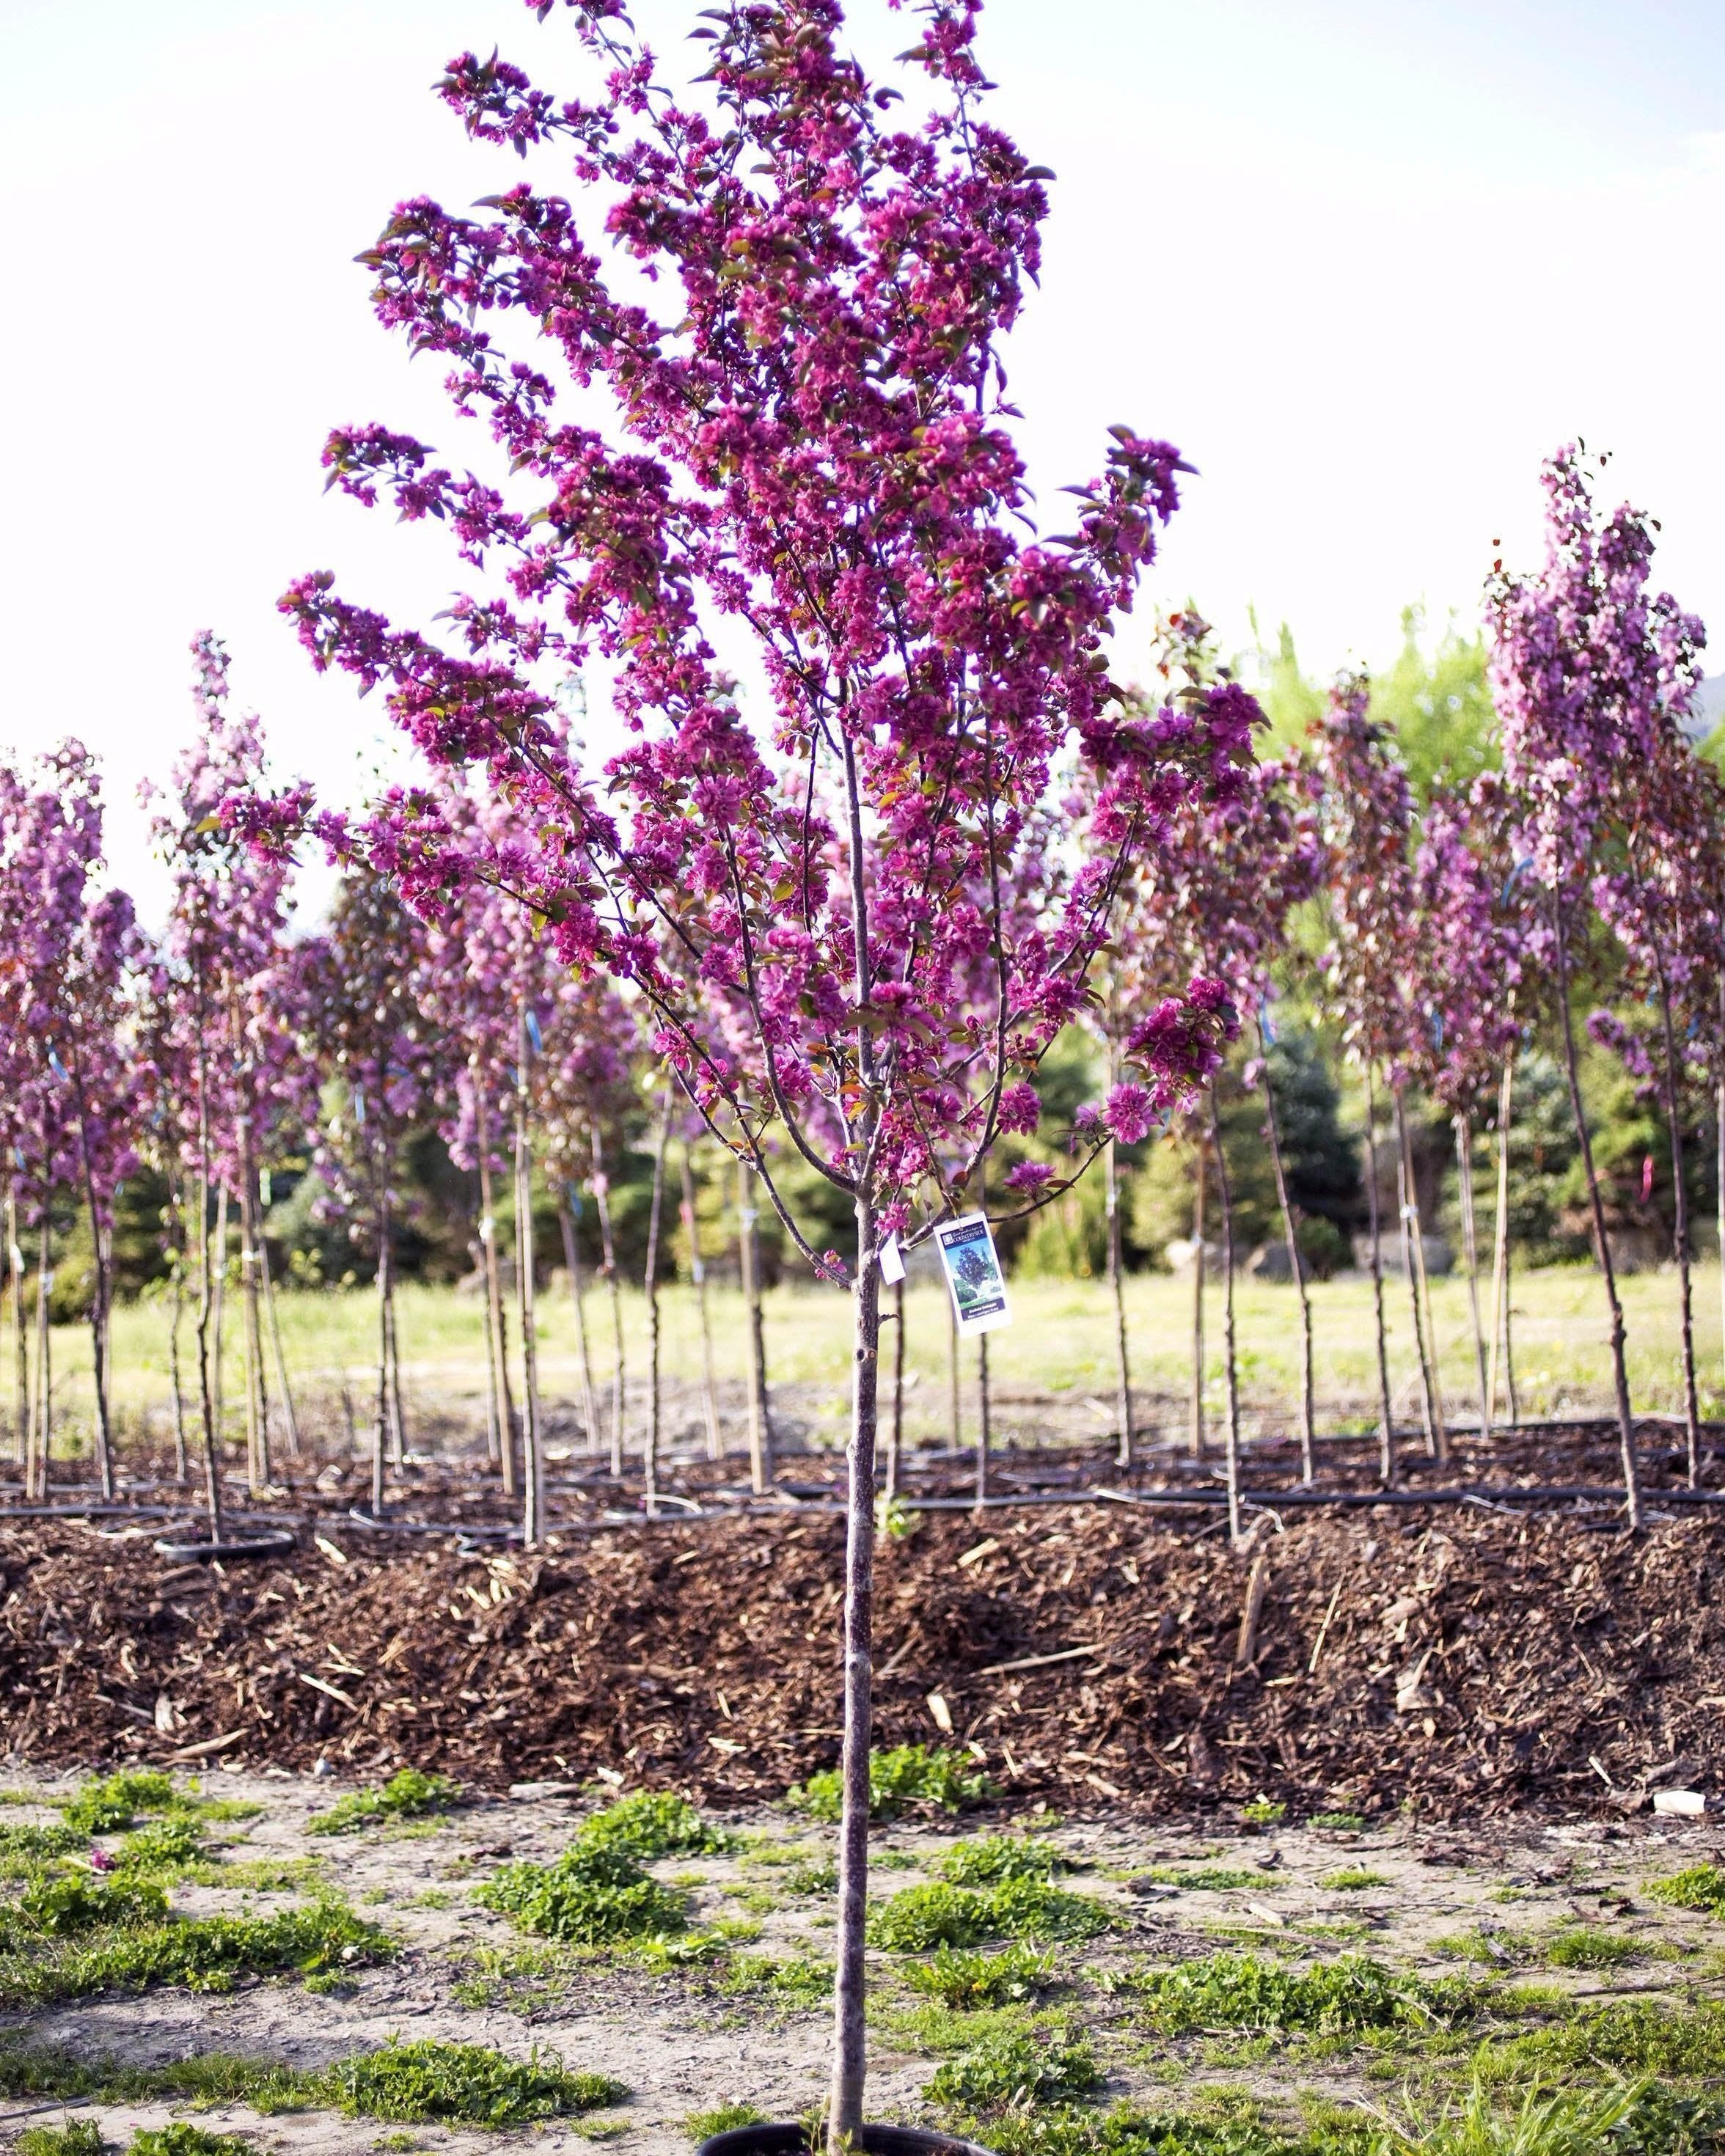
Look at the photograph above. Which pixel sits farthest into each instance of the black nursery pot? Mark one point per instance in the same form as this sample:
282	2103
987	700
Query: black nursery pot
875	2140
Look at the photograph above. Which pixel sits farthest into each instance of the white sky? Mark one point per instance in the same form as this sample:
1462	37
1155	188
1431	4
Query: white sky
1366	261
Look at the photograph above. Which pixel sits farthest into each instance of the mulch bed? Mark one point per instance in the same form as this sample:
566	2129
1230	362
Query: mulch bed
1467	1662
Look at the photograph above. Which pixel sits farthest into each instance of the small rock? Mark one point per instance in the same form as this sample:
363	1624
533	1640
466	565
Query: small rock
525	1792
1150	1890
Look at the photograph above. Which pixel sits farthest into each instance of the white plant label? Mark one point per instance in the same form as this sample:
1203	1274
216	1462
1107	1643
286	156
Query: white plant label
892	1261
973	1274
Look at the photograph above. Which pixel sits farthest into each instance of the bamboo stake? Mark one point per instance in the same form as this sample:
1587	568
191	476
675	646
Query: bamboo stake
601	1196
533	1523
1387	1424
1471	1251
1414	1265
649	1452
1500	1237
1198	1446
578	1296
748	1252
1296	1270
1229	1365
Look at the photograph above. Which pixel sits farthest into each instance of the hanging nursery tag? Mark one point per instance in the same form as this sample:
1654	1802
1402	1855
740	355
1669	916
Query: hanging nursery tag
967	1249
892	1261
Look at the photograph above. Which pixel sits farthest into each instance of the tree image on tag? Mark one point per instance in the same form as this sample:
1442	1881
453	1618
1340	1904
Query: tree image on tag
973	1274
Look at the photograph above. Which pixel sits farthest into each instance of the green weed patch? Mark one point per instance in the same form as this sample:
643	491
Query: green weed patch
1700	1886
1019	2069
796	1981
984	1859
73	2137
921	1918
908	1774
647	1826
702	2125
204	1954
462	2085
589	1897
969	1980
180	2139
407	1795
1126	2131
1584	1946
1348	1996
1354	1879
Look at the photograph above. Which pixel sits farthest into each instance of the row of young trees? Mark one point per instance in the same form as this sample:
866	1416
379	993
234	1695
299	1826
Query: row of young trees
850	932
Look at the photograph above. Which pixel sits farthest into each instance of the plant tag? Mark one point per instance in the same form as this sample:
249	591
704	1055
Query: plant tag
892	1261
979	1288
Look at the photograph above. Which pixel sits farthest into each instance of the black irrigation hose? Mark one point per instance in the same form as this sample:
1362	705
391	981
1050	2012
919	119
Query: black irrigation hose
274	1544
98	1510
472	1531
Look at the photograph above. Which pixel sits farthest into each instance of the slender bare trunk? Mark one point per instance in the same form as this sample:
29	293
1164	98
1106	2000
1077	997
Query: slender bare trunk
955	1410
1386	1460
1500	1241
749	1258
1602	1241
578	1296
1230	1368
697	1273
290	1413
206	1312
20	1340
895	1435
219	1310
1470	1252
1297	1271
985	1419
532	1428
602	1200
497	1344
1680	1234
650	1453
1413	1266
42	1435
257	1398
398	1415
849	2052
1117	1281
1197	1444
380	1425
177	1249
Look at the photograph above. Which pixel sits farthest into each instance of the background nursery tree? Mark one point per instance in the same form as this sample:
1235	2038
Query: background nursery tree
813	445
1592	672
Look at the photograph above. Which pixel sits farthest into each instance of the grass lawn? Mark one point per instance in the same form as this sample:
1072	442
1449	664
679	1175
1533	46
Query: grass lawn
1058	1349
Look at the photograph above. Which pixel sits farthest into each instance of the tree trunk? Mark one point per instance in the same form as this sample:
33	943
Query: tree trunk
697	1273
42	1435
380	1427
602	1200
288	1411
985	1419
257	1394
1296	1272
1197	1444
532	1428
496	1342
1602	1241
1470	1252
748	1257
1413	1266
1117	1281
955	1412
206	1311
578	1296
895	1436
219	1310
1500	1242
649	1455
1680	1236
20	1339
850	2058
1387	1435
398	1418
102	1268
1230	1368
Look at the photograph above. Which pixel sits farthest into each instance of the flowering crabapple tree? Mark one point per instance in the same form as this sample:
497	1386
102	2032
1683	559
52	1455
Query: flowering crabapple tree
1591	671
1468	996
367	998
788	307
226	1025
1661	902
74	1091
1212	901
1366	969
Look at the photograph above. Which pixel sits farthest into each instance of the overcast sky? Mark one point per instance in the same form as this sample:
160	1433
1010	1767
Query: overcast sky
1366	261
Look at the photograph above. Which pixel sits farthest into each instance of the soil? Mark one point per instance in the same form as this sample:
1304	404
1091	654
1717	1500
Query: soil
680	2043
1461	1662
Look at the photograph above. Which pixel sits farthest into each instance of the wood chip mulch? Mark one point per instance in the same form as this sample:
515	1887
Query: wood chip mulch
1468	1663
